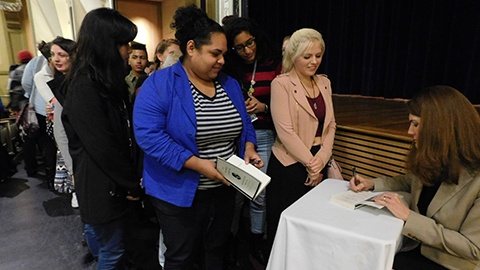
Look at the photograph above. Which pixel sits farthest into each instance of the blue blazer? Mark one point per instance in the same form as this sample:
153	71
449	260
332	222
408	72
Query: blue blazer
165	128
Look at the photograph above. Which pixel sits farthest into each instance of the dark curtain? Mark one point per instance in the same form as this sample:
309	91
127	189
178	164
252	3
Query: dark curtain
386	48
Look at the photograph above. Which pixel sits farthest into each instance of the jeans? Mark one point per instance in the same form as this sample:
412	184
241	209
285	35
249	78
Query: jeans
111	240
91	240
265	139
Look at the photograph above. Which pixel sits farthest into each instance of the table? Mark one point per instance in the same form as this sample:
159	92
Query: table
314	233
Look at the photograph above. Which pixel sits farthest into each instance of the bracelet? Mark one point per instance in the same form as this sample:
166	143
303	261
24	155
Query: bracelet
266	109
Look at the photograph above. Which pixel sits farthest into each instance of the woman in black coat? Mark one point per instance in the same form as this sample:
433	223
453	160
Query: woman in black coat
96	117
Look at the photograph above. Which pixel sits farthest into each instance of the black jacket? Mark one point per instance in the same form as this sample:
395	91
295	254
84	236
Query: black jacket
100	143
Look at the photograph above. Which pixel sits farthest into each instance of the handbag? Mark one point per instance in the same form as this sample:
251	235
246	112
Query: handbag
334	170
63	180
28	122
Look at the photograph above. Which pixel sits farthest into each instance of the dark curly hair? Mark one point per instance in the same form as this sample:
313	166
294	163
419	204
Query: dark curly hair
192	23
266	50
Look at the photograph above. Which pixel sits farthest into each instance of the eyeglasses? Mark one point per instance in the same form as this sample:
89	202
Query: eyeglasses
241	47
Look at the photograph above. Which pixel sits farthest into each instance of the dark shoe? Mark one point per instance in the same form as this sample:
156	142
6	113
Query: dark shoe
256	248
88	259
50	185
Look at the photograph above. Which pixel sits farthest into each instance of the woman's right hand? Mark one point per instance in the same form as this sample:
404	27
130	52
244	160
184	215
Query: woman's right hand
207	168
358	183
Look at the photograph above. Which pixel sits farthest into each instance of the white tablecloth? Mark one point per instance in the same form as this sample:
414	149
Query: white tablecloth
314	233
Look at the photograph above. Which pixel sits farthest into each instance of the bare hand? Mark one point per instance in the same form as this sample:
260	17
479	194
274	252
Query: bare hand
252	157
209	170
314	166
395	204
130	198
206	168
313	179
253	105
359	183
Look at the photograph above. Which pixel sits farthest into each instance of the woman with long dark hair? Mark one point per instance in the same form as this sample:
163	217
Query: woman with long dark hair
96	116
254	61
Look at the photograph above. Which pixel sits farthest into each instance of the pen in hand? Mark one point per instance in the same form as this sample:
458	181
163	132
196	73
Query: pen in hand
355	175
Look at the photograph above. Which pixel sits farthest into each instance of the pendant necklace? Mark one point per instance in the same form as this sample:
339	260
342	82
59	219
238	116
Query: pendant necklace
252	82
308	95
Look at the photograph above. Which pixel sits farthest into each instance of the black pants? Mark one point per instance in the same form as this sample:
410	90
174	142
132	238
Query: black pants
286	186
48	148
200	231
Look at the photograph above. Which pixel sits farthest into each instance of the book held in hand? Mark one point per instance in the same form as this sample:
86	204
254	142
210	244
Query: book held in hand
354	200
246	178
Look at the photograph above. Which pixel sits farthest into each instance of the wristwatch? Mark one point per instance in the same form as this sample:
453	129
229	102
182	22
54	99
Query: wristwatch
266	109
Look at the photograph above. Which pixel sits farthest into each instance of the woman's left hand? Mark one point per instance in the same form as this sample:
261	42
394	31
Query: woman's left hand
254	106
313	179
395	204
252	157
314	166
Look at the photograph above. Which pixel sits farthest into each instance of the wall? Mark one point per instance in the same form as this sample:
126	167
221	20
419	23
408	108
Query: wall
13	38
153	19
147	16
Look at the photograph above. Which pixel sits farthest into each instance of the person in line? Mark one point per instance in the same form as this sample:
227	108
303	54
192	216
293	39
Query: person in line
96	117
165	48
302	111
186	116
138	61
14	85
62	52
253	60
29	148
441	228
58	63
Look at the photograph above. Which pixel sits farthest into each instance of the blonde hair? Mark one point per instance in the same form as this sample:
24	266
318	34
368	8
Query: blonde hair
172	59
300	41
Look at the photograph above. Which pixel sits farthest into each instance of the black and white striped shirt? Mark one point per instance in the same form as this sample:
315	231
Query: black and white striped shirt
218	127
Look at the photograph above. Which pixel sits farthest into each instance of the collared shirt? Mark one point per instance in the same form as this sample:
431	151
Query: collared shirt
131	81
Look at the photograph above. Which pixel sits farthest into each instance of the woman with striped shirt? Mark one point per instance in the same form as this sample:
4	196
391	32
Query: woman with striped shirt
185	117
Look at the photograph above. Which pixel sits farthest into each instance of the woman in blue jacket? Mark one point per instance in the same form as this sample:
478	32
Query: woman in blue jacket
185	117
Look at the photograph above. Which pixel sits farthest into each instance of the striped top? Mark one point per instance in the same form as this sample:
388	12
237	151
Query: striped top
218	127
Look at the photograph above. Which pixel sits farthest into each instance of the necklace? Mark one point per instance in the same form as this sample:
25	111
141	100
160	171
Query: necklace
308	95
251	90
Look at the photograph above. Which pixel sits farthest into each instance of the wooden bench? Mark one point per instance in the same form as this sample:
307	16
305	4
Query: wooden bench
374	153
9	135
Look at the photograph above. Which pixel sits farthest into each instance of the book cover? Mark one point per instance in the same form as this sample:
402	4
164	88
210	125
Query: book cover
246	178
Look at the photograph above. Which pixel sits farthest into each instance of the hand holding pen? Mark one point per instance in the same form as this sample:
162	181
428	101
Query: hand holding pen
358	183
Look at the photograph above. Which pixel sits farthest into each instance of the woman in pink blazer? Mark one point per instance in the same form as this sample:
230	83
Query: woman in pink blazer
442	222
302	112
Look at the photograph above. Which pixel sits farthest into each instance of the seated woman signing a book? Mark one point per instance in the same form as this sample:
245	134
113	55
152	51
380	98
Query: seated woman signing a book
442	221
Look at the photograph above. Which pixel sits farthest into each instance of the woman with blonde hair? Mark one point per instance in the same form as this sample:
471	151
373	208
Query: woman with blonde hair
302	112
165	48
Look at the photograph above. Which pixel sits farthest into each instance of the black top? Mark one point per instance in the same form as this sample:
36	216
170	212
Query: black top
101	146
426	197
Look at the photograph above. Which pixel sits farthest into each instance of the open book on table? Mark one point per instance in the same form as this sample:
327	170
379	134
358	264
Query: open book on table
354	200
246	178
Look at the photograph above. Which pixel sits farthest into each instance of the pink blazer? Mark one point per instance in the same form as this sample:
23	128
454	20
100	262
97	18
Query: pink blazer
295	121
